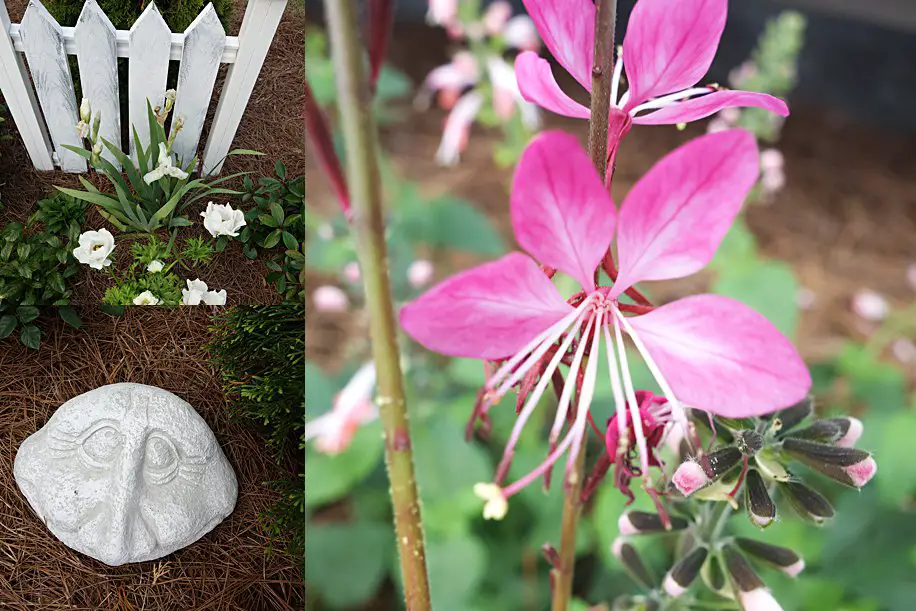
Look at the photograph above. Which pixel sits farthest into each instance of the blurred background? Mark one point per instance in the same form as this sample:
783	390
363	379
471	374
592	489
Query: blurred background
826	249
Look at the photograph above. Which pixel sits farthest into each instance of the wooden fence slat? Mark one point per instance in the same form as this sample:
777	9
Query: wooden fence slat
147	69
20	99
96	53
258	28
44	50
204	41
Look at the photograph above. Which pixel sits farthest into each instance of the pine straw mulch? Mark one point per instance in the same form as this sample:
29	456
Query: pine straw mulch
845	221
228	568
271	124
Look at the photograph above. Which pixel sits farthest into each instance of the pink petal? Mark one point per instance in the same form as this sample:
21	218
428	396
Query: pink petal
568	30
538	86
669	45
487	312
674	218
723	357
703	106
561	213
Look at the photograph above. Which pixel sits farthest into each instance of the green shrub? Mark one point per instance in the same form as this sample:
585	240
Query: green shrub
36	265
260	353
275	226
178	14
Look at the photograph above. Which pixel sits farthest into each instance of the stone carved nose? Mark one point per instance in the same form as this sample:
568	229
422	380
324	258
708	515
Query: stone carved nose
126	532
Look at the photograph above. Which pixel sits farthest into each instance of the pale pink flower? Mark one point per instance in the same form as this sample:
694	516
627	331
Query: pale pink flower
520	33
717	125
496	17
904	350
329	298
805	298
333	431
458	128
448	81
771	159
706	351
420	273
852	434
442	12
758	599
351	272
668	47
870	305
730	115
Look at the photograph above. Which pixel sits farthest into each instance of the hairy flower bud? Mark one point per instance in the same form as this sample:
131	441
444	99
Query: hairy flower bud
743	576
685	571
782	558
760	507
723	460
758	600
689	477
853	430
639	522
748	442
809	503
632	562
794	415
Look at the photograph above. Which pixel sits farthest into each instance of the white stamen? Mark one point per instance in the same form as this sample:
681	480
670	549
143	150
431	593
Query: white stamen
677	410
615	83
588	392
566	395
668	99
542	342
631	399
541	387
620	403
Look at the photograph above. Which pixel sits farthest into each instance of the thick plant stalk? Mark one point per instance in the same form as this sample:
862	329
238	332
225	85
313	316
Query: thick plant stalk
360	137
605	20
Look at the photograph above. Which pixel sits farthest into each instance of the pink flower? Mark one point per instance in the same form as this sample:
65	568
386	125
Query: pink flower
329	298
419	273
458	128
496	17
668	47
520	33
442	12
705	351
870	305
333	431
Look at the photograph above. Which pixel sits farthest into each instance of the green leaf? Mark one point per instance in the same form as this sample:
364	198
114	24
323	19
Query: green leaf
349	560
244	152
69	316
456	569
452	223
112	310
276	211
289	240
27	314
8	324
30	336
273	239
896	480
769	287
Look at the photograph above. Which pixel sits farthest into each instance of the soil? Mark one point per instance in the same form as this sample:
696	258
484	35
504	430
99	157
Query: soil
845	221
271	124
229	568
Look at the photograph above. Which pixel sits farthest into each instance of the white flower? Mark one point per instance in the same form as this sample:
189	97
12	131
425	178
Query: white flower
85	112
333	431
215	298
458	127
164	168
94	248
223	220
82	130
154	267
146	298
870	305
419	273
194	293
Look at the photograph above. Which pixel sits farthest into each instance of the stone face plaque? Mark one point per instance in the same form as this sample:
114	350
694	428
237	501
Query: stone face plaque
126	473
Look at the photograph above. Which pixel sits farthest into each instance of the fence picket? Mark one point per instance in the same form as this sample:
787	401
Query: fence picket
258	28
204	42
147	69
20	98
96	51
43	41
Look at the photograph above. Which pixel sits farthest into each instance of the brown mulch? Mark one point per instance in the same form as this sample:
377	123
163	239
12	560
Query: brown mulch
228	568
271	124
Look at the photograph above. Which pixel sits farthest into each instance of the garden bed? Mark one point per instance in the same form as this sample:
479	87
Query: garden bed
270	125
229	568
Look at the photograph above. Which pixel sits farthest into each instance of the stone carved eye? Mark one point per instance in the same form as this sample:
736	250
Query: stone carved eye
101	446
161	459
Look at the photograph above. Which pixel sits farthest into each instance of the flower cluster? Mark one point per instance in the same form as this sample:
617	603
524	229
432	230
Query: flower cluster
457	84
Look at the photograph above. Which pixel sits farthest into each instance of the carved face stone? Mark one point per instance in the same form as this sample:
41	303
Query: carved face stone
126	473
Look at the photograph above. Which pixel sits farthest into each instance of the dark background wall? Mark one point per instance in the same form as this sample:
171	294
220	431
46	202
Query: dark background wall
865	68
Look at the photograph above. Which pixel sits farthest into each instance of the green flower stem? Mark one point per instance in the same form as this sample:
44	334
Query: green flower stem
605	21
361	141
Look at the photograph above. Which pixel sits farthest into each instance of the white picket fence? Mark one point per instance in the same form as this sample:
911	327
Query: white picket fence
46	111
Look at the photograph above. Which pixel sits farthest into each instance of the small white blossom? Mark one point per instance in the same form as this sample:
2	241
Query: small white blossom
495	503
164	168
420	273
223	220
194	293
329	298
154	267
82	130
215	298
870	305
146	298
94	248
85	112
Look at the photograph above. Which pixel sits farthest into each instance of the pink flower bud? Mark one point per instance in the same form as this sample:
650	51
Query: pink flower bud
521	33
420	273
689	477
862	472
329	298
730	115
770	159
772	181
496	16
351	272
852	433
617	547
805	298
717	125
673	588
794	569
904	350
758	599
870	305
625	526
